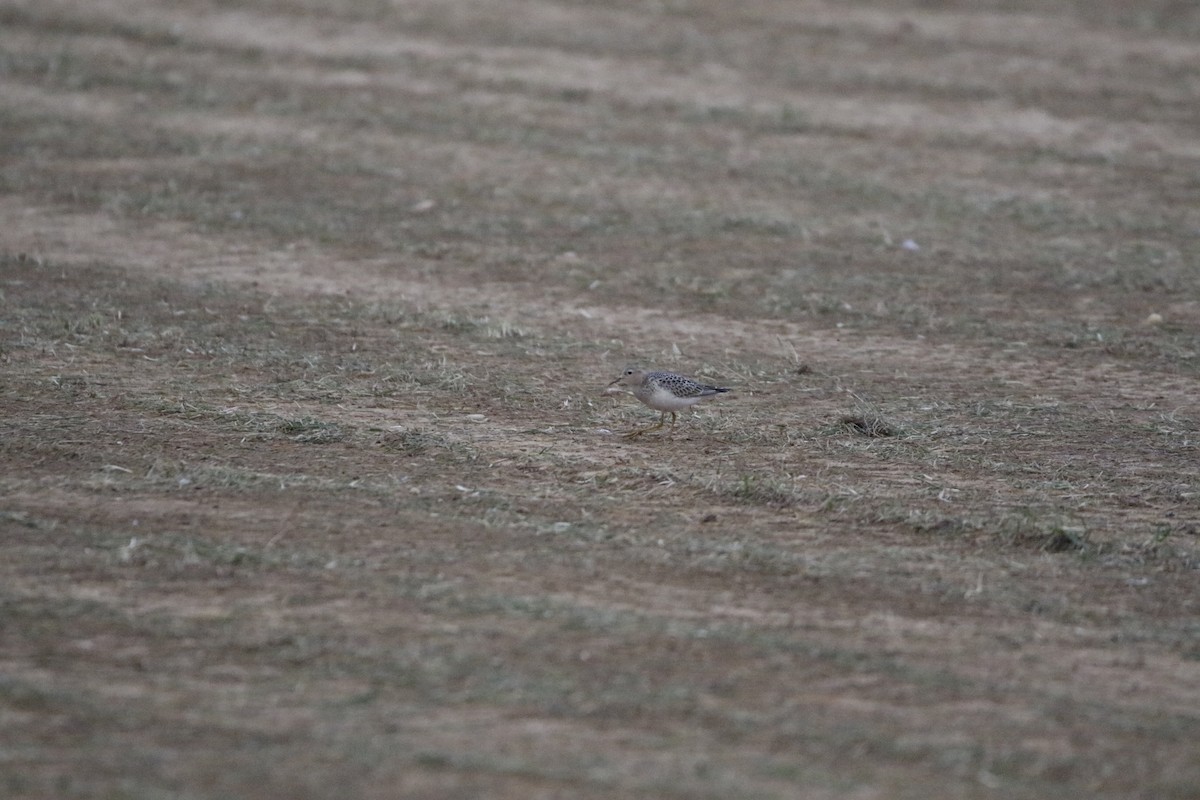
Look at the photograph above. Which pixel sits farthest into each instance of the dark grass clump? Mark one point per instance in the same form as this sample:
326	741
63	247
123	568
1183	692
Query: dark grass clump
868	425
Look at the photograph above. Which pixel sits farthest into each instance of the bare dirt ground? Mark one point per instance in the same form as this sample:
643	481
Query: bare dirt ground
309	487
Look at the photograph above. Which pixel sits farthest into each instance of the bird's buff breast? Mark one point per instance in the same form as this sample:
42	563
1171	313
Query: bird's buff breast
660	399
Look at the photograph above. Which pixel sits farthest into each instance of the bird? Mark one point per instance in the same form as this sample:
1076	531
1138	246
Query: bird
665	392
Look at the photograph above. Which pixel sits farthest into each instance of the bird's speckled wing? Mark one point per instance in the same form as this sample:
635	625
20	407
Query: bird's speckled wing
680	386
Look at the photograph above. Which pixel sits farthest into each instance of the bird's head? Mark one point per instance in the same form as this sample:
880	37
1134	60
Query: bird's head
630	377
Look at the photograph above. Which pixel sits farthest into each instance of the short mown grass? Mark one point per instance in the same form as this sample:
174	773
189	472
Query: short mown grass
308	486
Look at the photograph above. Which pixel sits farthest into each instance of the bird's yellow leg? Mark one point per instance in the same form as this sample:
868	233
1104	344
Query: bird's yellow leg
661	421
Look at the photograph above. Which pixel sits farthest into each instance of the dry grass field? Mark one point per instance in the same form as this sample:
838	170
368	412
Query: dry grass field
310	487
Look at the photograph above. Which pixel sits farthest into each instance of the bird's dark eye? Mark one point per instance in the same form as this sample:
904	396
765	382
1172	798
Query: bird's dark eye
628	372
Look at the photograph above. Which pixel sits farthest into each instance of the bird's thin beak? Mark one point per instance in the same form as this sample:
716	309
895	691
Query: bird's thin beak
614	383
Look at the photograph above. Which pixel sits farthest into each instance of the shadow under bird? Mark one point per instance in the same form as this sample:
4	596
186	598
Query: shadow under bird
665	392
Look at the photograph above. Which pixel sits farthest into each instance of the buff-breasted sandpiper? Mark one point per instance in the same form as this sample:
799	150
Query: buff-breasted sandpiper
665	392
